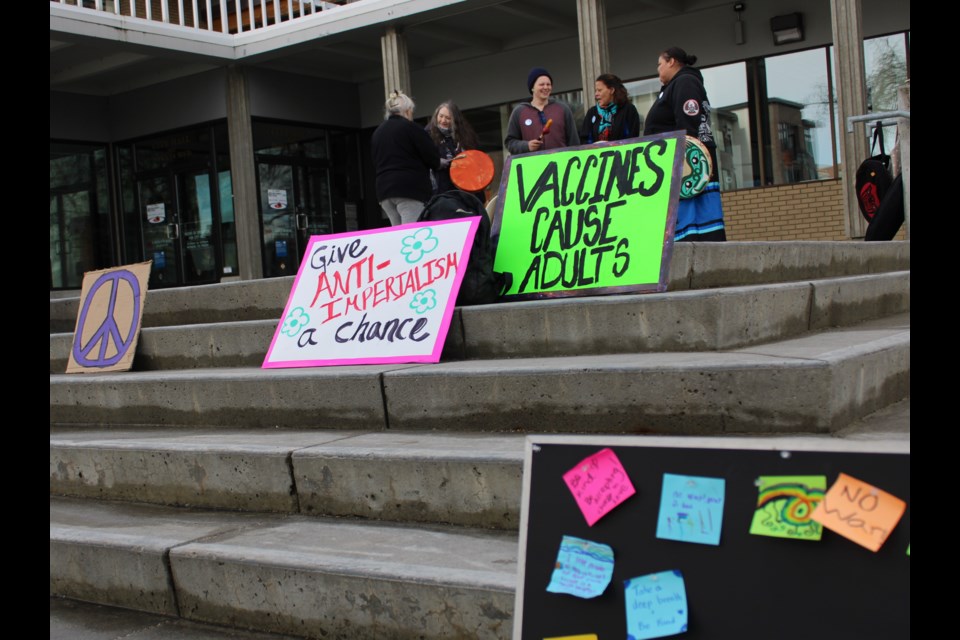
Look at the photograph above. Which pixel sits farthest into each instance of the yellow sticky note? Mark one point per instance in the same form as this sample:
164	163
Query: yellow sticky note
859	512
583	636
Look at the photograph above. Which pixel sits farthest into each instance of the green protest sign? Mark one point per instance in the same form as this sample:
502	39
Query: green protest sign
589	220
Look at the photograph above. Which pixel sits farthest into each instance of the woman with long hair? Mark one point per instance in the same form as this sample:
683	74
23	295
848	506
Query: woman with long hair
614	117
452	135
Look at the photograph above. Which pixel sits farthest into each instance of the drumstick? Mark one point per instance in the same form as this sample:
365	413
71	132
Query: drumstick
546	129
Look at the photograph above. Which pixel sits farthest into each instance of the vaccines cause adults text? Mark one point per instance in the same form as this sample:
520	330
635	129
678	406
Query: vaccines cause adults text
349	281
572	242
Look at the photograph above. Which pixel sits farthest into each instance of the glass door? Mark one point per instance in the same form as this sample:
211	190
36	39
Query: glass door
197	229
294	205
71	238
160	229
179	228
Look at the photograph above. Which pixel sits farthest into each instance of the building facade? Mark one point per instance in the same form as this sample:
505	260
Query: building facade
214	137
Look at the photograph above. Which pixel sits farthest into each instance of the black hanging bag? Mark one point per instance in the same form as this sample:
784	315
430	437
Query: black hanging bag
480	284
873	178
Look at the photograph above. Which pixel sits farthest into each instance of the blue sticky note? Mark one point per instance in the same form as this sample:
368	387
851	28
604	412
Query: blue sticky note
583	568
656	605
691	509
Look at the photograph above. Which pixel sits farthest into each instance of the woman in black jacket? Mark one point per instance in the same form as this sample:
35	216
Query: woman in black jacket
403	155
614	117
452	134
682	105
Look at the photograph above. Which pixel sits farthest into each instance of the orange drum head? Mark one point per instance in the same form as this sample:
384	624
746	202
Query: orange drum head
472	170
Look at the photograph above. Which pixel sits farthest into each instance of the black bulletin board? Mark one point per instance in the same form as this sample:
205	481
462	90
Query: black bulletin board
749	586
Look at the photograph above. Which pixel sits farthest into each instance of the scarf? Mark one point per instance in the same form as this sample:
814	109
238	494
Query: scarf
606	119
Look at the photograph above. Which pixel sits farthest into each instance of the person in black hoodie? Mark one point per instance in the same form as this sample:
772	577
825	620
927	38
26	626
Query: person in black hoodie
403	155
613	117
683	105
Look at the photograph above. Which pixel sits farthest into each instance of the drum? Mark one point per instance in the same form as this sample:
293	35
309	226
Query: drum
472	171
697	168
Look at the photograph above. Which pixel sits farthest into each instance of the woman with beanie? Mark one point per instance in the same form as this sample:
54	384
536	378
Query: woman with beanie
525	129
614	117
682	105
403	155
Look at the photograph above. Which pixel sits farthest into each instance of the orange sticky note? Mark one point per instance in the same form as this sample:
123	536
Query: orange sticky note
859	512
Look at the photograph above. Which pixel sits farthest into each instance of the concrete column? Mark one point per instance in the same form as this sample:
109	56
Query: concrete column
396	64
243	175
594	53
903	130
851	101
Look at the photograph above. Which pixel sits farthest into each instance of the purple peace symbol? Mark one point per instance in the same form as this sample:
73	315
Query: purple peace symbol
108	330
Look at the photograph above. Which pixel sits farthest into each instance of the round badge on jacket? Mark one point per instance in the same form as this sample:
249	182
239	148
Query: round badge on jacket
696	168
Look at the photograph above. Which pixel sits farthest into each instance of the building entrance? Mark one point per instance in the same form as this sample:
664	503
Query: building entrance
295	203
180	225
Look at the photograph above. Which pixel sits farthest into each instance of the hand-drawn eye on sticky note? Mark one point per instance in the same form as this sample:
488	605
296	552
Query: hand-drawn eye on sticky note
583	568
656	605
598	484
691	509
785	504
859	512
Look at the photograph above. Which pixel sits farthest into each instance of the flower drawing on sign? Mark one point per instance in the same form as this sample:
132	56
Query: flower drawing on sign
424	301
418	244
296	320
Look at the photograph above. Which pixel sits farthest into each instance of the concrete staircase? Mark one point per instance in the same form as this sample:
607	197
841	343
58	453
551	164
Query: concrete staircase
384	501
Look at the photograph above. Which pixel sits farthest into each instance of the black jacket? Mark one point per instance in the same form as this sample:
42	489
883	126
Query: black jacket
403	155
683	105
626	124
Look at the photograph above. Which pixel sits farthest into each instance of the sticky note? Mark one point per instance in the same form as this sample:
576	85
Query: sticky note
656	605
598	484
859	512
583	568
691	509
785	505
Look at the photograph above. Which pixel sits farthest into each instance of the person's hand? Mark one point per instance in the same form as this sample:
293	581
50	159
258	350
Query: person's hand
535	144
445	163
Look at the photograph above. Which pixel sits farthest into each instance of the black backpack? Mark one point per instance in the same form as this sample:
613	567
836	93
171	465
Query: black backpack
480	284
873	178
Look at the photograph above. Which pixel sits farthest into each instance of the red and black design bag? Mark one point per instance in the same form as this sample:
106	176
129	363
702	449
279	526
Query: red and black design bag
873	178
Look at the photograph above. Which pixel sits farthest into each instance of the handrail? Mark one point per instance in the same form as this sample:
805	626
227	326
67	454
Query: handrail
876	116
247	15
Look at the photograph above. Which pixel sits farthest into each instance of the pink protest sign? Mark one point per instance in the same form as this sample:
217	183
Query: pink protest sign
380	296
598	484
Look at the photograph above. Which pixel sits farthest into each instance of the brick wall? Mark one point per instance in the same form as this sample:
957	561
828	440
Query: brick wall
803	211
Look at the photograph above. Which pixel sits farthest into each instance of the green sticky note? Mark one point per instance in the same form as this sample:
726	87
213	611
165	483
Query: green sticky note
785	504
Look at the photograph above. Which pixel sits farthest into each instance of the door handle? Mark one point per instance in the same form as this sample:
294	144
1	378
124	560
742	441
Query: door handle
301	222
173	230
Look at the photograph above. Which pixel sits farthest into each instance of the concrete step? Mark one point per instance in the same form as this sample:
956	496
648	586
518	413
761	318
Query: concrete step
694	320
429	477
692	266
816	383
463	479
308	577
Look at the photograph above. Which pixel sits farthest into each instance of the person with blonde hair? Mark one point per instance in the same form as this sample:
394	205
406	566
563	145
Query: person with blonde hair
403	156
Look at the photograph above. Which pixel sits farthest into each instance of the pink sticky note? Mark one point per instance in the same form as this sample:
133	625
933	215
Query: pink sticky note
598	484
